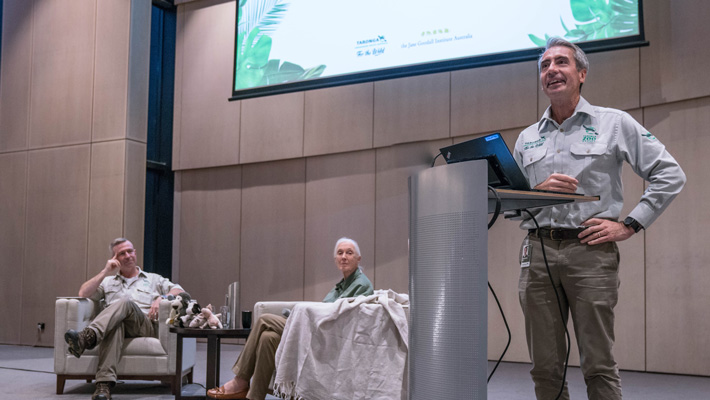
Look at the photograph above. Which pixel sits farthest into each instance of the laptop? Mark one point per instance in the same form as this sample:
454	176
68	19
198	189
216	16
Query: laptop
503	171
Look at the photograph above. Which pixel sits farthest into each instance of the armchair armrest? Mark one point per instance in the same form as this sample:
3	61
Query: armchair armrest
69	313
167	340
72	313
273	307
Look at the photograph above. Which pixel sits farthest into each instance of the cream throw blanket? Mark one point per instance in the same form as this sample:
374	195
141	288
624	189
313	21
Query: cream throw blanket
355	348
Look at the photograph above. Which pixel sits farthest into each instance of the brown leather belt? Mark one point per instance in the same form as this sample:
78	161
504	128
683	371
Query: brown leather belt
556	234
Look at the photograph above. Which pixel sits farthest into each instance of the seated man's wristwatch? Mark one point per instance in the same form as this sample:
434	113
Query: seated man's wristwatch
633	224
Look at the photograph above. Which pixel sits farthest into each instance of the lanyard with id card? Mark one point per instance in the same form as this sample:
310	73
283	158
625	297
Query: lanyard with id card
525	254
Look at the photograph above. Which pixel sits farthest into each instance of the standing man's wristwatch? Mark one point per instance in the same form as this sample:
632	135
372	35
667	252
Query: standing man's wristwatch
633	224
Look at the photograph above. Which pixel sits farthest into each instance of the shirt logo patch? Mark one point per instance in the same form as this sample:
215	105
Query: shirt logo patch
589	139
648	135
534	144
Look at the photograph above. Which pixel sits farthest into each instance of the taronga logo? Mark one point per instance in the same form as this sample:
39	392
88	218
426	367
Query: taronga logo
379	40
590	130
648	135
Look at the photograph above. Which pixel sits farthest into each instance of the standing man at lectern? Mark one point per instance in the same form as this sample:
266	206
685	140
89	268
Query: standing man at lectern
577	147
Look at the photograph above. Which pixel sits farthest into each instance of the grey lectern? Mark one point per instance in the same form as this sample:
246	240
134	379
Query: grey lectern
448	277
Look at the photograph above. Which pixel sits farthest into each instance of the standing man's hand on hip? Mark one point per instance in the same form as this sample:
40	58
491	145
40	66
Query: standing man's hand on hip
602	230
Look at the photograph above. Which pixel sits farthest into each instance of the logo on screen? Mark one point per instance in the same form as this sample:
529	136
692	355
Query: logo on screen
374	46
376	41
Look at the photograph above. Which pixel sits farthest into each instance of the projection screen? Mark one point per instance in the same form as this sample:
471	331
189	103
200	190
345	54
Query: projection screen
289	45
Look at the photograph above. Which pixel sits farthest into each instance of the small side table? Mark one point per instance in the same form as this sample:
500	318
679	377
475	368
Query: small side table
214	337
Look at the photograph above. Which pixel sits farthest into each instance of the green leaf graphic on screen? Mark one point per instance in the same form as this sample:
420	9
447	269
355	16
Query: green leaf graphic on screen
253	56
598	19
253	66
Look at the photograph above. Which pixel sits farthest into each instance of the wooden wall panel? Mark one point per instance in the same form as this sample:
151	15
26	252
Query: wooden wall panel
138	71
134	195
677	276
13	192
60	81
412	109
493	98
613	80
504	240
56	234
272	128
177	226
630	346
674	62
177	95
340	201
15	75
206	124
106	203
209	243
63	53
273	223
395	165
338	119
111	70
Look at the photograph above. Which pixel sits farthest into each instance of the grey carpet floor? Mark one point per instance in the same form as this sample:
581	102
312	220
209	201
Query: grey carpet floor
27	373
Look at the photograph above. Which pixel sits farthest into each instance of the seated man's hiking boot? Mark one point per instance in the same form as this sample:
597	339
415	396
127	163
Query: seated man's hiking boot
102	392
80	341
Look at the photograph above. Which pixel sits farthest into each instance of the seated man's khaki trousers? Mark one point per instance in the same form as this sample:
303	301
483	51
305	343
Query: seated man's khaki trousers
122	319
257	360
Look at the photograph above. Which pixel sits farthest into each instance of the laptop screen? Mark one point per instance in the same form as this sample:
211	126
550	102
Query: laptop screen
503	171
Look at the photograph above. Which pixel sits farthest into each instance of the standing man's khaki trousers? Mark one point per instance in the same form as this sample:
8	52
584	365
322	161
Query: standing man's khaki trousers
587	281
257	360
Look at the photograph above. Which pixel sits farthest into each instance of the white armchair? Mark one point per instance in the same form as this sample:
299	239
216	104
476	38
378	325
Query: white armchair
144	358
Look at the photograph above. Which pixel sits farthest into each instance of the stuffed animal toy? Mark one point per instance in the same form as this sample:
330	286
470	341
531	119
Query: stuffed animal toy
211	319
198	320
193	309
178	308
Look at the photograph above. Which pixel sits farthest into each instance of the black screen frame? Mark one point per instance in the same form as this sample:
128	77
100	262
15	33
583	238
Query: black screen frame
485	60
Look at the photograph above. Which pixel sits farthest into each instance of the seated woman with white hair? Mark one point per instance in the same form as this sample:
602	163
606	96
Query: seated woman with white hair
256	361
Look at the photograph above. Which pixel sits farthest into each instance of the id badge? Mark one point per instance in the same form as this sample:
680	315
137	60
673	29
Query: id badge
525	254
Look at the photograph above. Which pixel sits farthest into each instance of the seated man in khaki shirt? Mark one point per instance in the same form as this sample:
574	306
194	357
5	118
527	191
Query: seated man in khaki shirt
132	299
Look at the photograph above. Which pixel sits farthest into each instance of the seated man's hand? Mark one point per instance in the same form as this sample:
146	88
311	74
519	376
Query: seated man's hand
112	267
154	309
559	183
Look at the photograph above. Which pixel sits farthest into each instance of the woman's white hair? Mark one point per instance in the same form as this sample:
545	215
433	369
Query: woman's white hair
346	240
